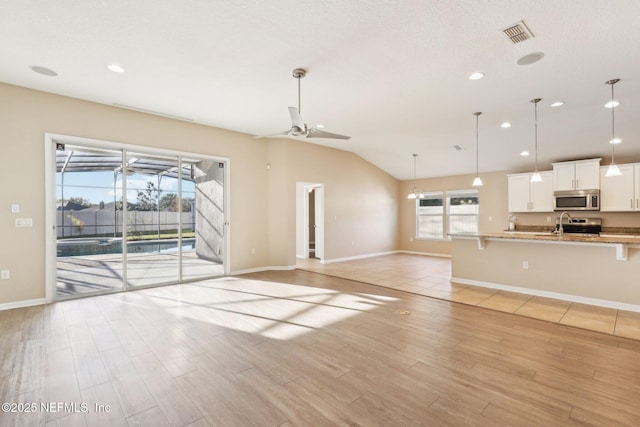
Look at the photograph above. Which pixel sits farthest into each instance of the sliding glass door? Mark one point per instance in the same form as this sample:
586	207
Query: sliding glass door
133	218
203	199
88	221
152	219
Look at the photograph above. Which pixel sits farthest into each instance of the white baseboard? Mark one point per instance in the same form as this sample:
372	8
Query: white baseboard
329	261
424	253
24	303
351	258
555	295
260	269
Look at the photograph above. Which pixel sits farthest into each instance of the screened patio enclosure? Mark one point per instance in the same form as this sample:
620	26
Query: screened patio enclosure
131	218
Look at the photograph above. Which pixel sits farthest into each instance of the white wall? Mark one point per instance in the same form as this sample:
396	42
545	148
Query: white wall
359	197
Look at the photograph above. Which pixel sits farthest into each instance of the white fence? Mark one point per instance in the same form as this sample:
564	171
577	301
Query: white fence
102	222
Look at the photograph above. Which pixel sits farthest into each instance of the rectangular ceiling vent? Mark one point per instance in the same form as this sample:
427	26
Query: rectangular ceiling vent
518	32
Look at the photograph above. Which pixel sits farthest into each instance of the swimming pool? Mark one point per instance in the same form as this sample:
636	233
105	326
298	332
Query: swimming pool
100	246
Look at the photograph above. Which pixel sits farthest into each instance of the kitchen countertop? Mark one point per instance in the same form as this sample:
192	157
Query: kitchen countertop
541	236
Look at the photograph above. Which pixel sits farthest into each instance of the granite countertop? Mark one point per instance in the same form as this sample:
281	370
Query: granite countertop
548	236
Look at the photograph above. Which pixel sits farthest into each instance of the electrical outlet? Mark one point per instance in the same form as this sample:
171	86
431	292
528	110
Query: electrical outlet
548	219
525	265
253	251
15	208
4	275
490	219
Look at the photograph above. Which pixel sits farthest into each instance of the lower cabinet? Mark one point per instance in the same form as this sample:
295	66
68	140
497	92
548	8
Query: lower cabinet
527	196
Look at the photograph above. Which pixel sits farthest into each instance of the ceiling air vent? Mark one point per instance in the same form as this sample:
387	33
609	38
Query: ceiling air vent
518	32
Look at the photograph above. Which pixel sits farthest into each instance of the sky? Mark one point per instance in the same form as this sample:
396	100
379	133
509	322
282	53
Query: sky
99	186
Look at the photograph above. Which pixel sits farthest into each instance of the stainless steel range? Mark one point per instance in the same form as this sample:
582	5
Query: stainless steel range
581	226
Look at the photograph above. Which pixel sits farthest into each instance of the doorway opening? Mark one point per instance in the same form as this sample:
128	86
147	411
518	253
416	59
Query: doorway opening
310	221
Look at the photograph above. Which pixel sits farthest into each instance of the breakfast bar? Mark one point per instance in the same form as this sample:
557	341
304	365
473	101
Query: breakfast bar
600	270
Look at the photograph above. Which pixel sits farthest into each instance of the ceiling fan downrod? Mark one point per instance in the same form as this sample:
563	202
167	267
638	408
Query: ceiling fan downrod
299	73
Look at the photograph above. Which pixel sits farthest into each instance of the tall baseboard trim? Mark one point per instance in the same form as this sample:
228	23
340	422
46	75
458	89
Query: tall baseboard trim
260	269
21	304
555	295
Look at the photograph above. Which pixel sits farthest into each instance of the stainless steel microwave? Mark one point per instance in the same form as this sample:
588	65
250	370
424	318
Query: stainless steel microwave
576	200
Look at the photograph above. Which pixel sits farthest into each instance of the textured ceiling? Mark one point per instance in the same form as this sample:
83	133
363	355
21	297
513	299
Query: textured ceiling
392	74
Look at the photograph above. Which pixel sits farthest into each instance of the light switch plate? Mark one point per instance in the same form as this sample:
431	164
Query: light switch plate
4	275
24	222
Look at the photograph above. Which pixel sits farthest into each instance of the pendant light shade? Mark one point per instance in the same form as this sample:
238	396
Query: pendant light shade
415	194
477	182
613	169
536	177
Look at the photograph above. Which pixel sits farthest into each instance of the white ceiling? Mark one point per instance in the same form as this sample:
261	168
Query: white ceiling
392	74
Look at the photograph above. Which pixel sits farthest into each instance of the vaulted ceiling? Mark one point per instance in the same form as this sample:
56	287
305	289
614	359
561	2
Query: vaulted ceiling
391	74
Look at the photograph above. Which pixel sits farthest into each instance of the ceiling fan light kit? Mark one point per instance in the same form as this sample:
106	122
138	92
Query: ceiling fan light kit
298	126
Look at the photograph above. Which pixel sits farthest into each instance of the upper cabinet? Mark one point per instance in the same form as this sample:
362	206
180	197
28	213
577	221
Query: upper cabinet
620	193
527	196
577	175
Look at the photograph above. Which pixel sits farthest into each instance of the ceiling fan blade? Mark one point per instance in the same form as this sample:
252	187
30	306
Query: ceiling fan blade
296	119
317	133
274	134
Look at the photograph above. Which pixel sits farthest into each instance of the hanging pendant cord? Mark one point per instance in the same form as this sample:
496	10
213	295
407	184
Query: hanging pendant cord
477	148
613	126
535	106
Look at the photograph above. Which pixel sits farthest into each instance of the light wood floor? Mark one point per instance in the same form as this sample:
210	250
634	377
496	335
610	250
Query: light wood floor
429	276
297	348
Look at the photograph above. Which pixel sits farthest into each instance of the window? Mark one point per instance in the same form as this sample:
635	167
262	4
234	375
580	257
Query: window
463	209
430	216
461	215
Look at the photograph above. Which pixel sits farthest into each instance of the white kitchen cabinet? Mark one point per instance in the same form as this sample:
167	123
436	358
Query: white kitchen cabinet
577	175
620	193
527	196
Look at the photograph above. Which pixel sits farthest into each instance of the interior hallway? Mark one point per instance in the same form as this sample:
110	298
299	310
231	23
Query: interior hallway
429	276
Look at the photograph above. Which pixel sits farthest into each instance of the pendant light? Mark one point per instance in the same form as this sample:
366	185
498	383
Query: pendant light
415	194
477	182
536	177
613	169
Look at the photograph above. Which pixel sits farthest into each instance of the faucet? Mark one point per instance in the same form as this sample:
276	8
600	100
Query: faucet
560	229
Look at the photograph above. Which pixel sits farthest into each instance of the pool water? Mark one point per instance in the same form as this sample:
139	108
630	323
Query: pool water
80	247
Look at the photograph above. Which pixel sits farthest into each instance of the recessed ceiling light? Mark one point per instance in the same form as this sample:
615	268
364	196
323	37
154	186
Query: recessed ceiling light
319	126
115	68
524	153
476	76
557	104
44	71
615	141
611	104
505	125
530	58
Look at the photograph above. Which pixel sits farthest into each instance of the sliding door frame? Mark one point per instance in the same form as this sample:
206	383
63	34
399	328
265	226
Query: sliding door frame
50	140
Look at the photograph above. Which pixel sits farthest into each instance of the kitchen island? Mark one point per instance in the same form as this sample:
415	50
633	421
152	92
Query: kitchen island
598	270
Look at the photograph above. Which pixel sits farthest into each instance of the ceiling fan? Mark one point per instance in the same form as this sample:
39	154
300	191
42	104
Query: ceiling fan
298	126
